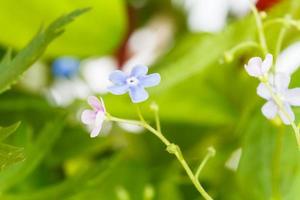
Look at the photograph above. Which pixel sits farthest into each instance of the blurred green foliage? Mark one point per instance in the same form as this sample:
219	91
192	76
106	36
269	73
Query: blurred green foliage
96	33
202	101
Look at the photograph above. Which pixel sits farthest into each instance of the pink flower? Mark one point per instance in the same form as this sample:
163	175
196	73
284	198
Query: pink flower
94	118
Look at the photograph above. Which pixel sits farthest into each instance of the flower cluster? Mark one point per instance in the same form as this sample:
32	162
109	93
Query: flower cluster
134	83
274	89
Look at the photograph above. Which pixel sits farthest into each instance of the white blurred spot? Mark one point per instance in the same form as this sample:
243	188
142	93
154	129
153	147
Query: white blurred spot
240	8
96	72
159	36
211	15
207	16
289	59
233	162
131	128
64	91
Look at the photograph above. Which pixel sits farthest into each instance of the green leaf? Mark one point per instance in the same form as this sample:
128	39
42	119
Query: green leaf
12	69
96	33
9	154
270	162
38	150
7	131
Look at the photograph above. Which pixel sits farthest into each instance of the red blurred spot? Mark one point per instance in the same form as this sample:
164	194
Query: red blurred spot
265	4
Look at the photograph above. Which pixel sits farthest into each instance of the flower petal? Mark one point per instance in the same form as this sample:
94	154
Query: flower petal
289	112
95	131
98	124
118	77
282	82
99	118
269	109
88	116
139	70
118	89
254	67
138	94
263	91
267	63
150	80
292	96
95	103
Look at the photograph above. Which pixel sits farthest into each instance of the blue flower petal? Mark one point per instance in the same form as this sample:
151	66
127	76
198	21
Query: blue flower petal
139	70
118	89
150	80
65	67
138	94
118	77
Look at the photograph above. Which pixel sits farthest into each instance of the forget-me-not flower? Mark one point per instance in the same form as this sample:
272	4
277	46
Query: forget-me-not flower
134	83
94	118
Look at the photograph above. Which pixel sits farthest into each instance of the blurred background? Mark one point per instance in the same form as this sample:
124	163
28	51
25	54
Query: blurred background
205	99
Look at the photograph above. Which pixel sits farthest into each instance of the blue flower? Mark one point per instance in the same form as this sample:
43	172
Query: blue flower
65	67
134	83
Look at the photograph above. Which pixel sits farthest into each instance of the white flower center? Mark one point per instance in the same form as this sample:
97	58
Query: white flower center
132	81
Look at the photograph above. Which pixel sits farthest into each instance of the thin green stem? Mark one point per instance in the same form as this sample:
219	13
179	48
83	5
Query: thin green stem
211	153
157	121
229	55
193	178
171	148
283	21
139	112
282	33
260	29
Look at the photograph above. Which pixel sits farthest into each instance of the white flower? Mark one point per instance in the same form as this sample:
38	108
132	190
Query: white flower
289	97
258	68
275	91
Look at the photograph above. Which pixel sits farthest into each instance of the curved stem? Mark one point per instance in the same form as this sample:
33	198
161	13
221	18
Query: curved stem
280	41
211	152
283	21
171	148
260	29
229	55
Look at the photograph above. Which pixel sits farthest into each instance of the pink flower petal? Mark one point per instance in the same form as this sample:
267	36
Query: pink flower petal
88	116
95	132
98	124
95	103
